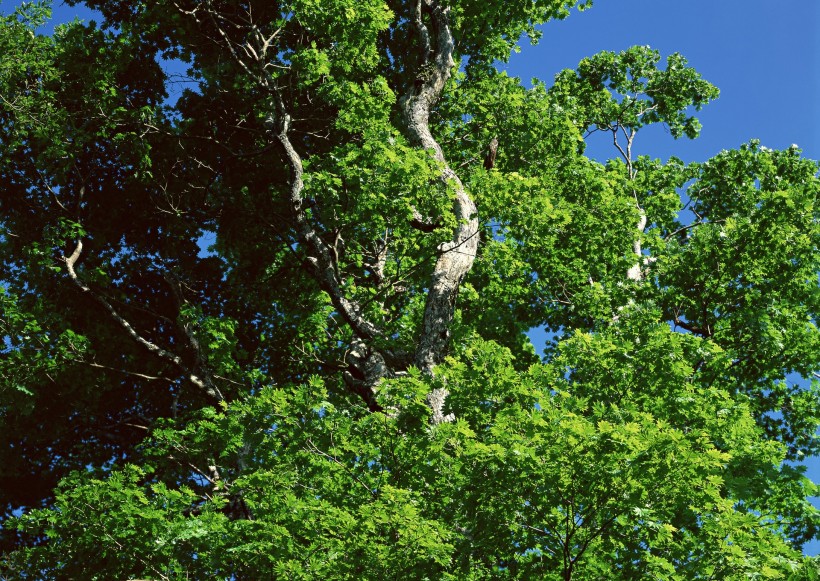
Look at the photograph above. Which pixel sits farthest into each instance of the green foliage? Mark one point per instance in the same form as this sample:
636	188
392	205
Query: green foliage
183	376
628	90
532	479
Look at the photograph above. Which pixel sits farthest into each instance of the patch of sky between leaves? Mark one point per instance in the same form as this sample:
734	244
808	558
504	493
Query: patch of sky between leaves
177	79
206	243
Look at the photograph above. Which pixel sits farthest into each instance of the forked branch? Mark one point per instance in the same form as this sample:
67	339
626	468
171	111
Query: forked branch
201	382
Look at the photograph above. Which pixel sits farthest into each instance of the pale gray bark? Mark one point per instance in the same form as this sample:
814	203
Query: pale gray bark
635	272
456	256
200	380
367	367
322	260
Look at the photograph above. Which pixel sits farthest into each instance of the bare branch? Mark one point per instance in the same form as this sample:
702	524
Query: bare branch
127	372
690	227
70	261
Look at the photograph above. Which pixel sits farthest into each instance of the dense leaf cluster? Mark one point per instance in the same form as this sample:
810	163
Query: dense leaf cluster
224	231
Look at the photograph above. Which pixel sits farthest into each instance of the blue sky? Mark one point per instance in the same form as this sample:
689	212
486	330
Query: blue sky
764	56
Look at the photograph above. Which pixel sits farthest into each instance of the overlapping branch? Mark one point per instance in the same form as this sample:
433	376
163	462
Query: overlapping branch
199	379
369	365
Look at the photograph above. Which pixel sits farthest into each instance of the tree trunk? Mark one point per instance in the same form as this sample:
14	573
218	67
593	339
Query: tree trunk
456	256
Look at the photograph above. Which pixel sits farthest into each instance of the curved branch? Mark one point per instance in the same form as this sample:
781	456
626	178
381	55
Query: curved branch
321	260
456	256
199	382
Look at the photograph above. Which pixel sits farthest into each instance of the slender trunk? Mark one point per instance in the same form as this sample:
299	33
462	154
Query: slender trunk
636	271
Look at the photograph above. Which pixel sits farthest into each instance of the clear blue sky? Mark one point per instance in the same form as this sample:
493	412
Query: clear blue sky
763	55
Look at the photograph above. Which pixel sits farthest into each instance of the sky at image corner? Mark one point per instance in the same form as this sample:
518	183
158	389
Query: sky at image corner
764	56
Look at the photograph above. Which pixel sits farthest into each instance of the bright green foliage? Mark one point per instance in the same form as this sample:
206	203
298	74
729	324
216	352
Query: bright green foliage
531	480
215	289
628	89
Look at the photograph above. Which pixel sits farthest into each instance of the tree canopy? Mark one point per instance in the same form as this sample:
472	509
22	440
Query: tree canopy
268	318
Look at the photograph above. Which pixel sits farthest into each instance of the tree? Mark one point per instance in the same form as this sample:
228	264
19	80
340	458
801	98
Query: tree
341	385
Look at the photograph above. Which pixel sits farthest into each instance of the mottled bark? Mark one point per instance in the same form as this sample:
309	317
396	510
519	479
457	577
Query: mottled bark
367	368
456	256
